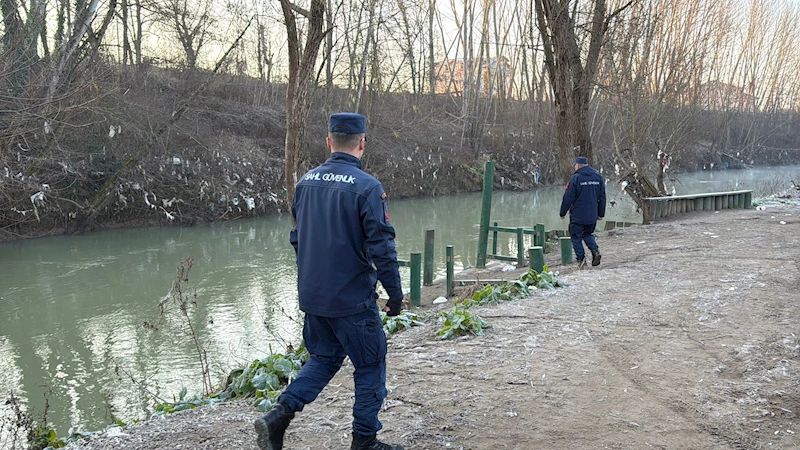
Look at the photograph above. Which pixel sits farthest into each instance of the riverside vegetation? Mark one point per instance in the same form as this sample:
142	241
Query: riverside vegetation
263	380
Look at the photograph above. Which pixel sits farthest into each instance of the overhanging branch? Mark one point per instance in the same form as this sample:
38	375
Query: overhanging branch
619	10
303	12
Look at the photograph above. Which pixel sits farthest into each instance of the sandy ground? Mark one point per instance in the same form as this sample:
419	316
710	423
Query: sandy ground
685	337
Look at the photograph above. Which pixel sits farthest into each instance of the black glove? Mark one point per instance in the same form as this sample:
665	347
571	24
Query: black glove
394	307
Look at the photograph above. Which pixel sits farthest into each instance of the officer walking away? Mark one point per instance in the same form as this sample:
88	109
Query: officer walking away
585	199
342	234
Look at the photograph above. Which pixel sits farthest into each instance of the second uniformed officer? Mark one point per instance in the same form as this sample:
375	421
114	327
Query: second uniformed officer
342	235
585	199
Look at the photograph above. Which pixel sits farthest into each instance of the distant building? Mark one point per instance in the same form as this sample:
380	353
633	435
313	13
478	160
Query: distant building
719	96
495	76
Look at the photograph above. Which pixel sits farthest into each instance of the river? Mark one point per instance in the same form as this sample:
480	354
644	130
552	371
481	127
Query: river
79	312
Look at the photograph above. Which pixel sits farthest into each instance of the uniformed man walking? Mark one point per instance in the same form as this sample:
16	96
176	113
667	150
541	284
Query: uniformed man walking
342	235
585	199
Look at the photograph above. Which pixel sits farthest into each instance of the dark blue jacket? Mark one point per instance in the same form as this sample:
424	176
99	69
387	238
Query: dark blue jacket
585	197
342	229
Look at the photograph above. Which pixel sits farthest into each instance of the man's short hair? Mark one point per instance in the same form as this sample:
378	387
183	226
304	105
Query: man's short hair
345	141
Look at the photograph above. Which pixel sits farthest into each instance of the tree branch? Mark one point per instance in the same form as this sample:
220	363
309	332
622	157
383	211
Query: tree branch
303	12
618	11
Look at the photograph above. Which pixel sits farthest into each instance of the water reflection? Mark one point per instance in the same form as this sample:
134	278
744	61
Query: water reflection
73	307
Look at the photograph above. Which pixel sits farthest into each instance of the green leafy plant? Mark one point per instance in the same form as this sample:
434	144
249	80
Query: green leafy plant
20	430
182	403
264	378
544	280
458	321
493	294
45	437
404	321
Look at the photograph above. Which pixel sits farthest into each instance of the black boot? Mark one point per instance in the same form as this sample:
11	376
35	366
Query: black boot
596	257
371	443
272	427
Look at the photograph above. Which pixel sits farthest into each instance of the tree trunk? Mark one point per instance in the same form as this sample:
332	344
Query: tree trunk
301	75
362	74
40	25
572	79
127	56
137	42
431	63
20	43
66	54
409	47
96	39
329	47
639	187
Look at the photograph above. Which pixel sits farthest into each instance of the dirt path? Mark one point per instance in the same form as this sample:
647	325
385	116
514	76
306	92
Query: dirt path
686	337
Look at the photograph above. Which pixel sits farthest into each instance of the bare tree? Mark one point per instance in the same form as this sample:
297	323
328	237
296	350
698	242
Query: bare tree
127	54
191	23
301	76
66	54
362	74
571	74
20	40
407	45
431	60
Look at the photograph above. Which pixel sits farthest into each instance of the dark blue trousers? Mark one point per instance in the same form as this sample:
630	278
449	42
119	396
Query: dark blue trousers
580	233
328	340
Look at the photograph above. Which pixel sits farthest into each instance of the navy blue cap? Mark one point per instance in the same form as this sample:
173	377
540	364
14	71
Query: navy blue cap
581	160
347	123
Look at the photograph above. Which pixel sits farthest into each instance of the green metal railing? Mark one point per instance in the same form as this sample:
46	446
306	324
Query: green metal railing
450	261
416	265
416	269
676	204
537	231
486	210
427	258
538	241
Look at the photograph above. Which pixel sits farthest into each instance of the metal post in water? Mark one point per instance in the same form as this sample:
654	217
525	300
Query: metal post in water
566	250
494	240
486	210
449	258
416	269
538	238
427	268
536	255
520	248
